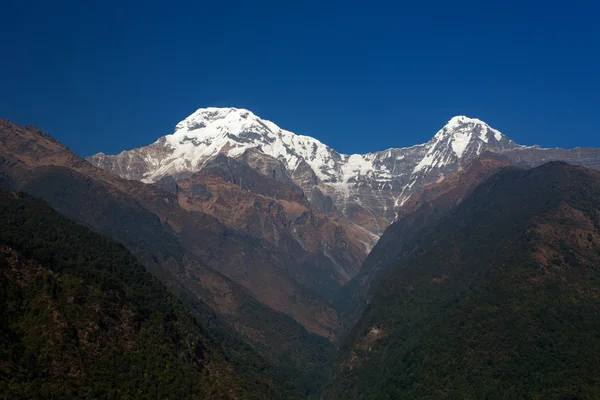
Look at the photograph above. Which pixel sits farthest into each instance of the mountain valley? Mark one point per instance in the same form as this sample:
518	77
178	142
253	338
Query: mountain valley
299	200
150	223
286	251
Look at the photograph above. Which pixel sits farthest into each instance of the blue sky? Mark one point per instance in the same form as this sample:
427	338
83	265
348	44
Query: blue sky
359	76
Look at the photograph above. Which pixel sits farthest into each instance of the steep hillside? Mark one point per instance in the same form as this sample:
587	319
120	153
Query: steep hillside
420	212
80	317
499	299
212	238
306	242
177	245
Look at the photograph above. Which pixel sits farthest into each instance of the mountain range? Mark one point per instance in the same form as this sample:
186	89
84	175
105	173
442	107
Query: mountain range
366	188
284	249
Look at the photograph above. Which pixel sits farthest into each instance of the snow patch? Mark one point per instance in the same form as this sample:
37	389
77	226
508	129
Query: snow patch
460	142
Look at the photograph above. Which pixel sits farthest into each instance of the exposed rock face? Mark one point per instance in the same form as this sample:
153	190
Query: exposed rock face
366	188
296	248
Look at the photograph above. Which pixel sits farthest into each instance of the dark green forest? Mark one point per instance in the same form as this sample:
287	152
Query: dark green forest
500	300
301	359
81	318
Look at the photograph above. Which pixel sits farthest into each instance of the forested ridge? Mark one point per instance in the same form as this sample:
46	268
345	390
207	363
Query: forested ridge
501	299
81	318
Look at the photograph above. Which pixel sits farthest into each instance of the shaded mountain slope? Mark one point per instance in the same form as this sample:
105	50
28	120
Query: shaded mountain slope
215	242
80	317
320	252
420	212
500	299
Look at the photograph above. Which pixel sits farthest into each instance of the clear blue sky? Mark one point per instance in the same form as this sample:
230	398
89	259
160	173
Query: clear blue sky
358	75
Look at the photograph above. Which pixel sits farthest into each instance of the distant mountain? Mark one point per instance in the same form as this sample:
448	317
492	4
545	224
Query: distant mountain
81	318
320	252
367	188
497	298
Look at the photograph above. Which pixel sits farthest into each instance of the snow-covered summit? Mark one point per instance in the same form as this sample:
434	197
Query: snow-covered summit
461	136
464	125
233	117
375	183
461	120
232	131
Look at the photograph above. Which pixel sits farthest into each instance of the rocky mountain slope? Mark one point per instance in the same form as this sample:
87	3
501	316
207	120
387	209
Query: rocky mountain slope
308	242
366	188
500	296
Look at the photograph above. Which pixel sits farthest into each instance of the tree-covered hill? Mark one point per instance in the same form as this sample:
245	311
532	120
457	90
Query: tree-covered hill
500	299
421	211
81	318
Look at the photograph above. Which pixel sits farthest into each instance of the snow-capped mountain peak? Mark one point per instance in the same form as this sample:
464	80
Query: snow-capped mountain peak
233	118
462	119
472	127
231	131
374	183
461	137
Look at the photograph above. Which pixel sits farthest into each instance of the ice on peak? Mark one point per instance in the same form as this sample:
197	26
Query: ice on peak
232	131
461	124
458	135
203	116
459	120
